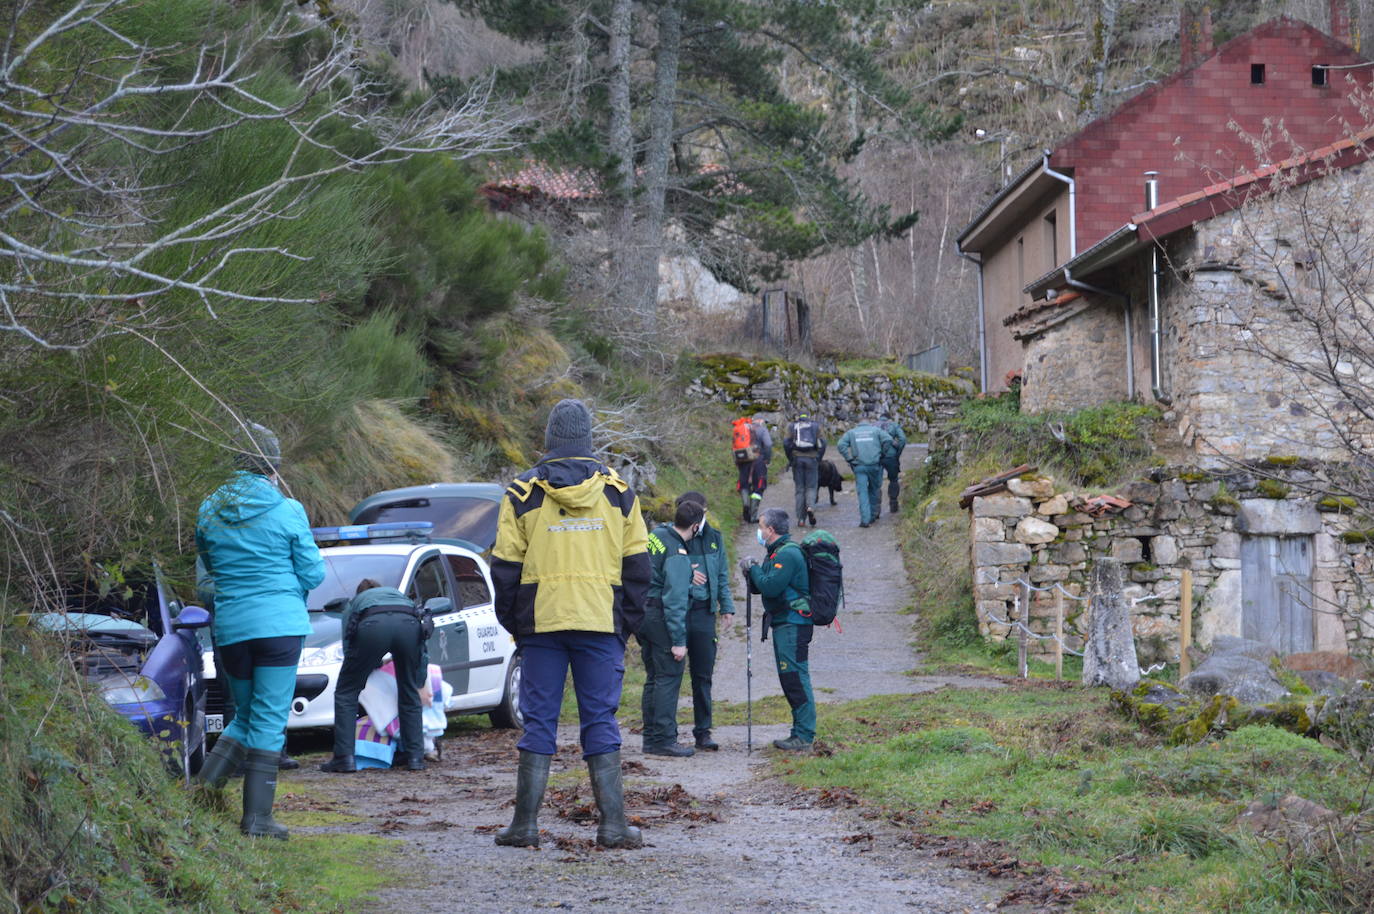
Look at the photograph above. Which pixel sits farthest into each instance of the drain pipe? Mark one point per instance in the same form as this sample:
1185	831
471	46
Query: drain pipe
1126	312
1156	357
982	330
1073	203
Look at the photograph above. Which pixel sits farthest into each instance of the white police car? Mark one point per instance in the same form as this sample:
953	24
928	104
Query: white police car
477	655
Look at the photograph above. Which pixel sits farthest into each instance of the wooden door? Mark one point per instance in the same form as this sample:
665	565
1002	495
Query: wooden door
1276	591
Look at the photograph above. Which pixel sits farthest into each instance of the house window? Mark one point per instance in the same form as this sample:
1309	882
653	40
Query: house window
1256	74
1052	240
1319	75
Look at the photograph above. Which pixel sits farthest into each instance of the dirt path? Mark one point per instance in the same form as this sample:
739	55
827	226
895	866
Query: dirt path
721	833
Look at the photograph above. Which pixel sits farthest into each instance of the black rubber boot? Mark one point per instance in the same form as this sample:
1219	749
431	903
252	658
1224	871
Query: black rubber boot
892	507
340	764
222	762
530	780
607	787
259	792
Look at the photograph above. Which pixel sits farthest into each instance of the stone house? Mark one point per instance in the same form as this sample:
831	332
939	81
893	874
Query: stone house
1041	242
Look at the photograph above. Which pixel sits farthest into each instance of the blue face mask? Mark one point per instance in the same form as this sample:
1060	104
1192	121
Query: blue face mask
758	535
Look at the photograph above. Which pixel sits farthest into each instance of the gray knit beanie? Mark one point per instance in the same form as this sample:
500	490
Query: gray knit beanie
261	453
570	426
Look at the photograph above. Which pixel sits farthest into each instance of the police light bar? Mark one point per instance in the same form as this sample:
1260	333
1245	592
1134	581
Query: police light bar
363	533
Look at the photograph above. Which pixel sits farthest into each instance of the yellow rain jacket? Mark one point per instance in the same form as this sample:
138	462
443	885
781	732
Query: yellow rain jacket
571	550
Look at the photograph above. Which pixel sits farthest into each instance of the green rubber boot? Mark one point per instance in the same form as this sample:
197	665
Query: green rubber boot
259	792
607	787
223	760
530	780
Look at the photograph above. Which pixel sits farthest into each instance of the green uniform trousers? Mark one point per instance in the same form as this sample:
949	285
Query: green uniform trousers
701	662
398	633
792	651
662	681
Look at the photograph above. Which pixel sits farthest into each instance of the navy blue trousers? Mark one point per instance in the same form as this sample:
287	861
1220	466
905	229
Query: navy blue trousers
597	661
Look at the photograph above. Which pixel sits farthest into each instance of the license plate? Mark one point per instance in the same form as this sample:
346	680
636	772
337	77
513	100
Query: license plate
214	723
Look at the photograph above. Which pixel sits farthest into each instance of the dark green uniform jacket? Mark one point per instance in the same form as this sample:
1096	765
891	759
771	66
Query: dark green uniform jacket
668	601
376	596
782	577
707	549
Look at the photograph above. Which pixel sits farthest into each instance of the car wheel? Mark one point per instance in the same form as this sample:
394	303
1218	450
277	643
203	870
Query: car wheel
507	716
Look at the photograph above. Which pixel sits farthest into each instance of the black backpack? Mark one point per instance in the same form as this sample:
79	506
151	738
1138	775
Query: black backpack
823	565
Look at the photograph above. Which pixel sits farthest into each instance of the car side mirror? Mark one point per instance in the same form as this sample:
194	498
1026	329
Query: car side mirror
191	617
439	605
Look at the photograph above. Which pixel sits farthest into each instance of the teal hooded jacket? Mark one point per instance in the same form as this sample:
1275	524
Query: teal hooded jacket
256	546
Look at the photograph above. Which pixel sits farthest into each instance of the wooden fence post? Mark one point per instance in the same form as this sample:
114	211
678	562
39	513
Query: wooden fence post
1185	622
1058	634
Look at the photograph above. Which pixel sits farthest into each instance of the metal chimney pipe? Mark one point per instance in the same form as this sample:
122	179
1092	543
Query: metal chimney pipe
1156	332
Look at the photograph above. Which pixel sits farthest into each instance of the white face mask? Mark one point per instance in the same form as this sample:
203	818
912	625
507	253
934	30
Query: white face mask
758	535
701	528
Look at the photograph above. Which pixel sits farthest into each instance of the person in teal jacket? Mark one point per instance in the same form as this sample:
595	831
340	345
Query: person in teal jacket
892	462
865	447
256	545
712	607
663	636
785	586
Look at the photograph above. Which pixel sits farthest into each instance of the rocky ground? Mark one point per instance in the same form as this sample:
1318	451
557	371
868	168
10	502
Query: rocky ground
721	833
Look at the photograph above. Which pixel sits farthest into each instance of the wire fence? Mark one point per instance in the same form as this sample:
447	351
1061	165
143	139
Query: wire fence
1057	637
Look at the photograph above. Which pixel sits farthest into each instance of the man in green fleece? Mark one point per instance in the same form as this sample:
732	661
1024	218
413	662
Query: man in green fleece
379	620
712	607
663	636
785	584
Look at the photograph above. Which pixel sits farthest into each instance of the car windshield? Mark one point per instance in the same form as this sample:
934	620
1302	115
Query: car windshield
343	572
471	519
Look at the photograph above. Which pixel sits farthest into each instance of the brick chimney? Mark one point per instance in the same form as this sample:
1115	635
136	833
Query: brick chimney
1195	33
1340	20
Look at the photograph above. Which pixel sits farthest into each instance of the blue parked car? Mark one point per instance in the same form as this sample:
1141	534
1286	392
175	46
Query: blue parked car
148	667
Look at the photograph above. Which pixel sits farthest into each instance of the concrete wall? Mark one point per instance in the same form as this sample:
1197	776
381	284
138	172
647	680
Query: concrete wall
1007	267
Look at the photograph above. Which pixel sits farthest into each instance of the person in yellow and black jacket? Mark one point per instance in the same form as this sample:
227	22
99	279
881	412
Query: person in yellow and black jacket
663	638
571	571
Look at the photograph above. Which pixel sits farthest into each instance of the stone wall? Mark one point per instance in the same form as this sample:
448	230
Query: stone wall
777	390
1075	363
1182	517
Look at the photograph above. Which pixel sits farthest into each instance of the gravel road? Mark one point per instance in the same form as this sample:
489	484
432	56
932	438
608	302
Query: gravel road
721	834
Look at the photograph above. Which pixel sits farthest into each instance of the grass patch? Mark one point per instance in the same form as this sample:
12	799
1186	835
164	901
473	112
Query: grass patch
1064	782
338	870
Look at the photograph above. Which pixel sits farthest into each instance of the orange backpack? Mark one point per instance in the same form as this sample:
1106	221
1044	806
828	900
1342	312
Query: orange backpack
745	447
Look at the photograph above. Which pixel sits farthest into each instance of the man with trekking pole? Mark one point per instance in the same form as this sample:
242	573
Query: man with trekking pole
784	583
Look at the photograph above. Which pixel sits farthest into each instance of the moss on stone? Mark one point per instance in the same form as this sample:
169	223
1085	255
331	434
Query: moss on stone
1223	500
1343	503
1194	477
1272	488
1281	461
1213	714
1358	536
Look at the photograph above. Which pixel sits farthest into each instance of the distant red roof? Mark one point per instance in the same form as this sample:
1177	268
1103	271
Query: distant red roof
556	183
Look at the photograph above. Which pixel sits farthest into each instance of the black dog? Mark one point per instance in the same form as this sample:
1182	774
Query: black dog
830	479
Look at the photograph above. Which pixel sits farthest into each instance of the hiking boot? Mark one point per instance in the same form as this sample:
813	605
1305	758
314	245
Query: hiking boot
673	750
705	743
340	764
811	517
612	830
864	524
792	744
530	780
892	508
222	762
259	793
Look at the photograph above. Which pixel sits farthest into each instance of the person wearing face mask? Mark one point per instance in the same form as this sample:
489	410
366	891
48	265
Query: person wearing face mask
256	545
712	607
663	636
785	585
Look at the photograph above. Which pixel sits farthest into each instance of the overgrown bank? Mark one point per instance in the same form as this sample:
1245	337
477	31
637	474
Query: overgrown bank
1050	783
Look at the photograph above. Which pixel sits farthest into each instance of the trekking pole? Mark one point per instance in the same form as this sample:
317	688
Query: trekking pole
748	668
